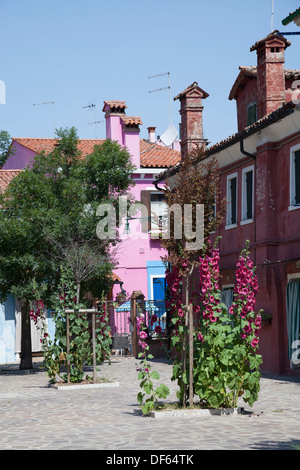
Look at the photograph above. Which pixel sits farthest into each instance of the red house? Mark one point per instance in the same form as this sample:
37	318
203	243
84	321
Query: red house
260	177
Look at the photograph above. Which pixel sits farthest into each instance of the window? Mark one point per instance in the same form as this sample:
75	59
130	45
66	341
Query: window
156	207
247	194
251	113
232	200
295	177
158	210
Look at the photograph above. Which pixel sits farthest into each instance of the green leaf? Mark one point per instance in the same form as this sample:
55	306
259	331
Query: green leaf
155	375
140	397
162	391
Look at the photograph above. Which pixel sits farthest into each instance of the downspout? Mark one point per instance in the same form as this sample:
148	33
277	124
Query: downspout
244	151
250	155
157	187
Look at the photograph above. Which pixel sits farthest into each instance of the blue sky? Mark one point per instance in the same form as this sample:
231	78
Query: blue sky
78	53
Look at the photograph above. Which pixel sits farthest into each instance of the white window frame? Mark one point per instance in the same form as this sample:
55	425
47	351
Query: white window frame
230	225
155	228
244	219
292	205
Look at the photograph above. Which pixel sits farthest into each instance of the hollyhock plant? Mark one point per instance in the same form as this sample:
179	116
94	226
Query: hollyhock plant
225	361
145	374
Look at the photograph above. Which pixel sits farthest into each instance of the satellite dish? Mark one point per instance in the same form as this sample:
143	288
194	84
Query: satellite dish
169	135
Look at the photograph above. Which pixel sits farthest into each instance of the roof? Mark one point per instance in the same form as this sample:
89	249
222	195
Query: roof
115	105
85	146
6	176
294	16
265	121
131	120
275	35
152	154
190	89
248	72
157	156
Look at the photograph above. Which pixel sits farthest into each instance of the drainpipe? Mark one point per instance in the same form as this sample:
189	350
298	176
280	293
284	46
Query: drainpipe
244	151
157	187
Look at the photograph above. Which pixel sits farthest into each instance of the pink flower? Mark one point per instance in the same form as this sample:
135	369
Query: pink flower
157	329
200	337
254	343
231	310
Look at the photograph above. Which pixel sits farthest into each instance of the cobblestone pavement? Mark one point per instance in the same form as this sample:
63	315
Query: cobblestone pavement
35	416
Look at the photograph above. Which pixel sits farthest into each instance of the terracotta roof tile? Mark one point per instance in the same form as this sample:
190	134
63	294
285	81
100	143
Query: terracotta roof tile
152	154
157	156
6	176
132	120
38	145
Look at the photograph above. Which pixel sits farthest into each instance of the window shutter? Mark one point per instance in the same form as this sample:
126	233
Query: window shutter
233	200
146	200
249	177
297	177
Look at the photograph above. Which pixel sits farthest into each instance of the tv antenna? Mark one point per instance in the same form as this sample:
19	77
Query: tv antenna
171	133
272	16
53	111
93	106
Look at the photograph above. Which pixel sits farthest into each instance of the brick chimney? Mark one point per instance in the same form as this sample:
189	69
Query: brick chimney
270	73
191	118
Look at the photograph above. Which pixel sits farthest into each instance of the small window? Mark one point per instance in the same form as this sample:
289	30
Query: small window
295	178
158	210
232	199
247	193
251	113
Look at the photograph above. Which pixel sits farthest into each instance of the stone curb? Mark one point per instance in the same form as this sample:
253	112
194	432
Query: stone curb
185	413
83	386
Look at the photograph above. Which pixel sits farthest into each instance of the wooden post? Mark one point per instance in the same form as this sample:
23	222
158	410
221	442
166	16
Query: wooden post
68	346
94	344
136	296
191	348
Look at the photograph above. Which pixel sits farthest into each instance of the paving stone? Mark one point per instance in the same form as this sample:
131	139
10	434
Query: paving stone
35	416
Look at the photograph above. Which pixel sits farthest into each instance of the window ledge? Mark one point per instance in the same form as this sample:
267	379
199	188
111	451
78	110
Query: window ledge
293	208
229	227
247	221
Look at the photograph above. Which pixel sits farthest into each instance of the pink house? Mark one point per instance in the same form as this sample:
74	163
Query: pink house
139	258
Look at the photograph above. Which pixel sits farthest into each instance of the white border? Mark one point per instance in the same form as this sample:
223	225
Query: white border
230	177
244	195
292	205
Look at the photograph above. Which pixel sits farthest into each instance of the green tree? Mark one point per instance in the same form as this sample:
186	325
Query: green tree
49	221
5	140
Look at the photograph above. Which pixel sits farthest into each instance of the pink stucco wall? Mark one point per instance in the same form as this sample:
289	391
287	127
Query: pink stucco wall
20	157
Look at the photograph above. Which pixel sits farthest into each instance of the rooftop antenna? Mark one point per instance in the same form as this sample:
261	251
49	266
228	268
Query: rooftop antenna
171	133
272	17
53	111
93	106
